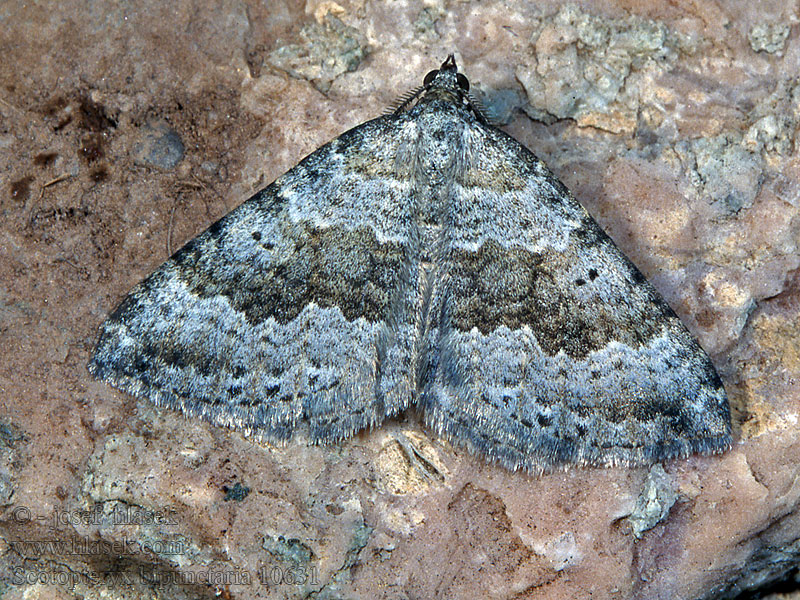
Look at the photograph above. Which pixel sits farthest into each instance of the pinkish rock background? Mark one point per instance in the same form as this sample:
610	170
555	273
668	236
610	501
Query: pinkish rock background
127	128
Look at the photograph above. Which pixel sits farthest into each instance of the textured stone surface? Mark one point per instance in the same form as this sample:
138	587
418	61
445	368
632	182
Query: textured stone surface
675	125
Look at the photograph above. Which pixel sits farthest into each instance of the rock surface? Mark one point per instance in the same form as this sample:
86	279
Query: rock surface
125	129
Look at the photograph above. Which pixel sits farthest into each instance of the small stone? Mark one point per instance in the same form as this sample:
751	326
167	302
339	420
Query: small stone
769	37
159	146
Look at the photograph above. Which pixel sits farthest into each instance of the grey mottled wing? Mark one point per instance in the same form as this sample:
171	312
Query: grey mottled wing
553	348
296	308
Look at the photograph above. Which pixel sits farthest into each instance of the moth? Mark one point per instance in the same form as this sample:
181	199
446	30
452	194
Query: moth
422	259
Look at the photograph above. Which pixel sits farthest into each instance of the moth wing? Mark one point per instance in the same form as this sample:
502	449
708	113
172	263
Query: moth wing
295	309
552	347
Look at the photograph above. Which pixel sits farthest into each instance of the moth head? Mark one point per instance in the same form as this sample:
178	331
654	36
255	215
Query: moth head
445	83
448	77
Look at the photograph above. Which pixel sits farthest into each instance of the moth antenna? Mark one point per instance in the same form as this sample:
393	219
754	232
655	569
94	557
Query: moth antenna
403	101
480	111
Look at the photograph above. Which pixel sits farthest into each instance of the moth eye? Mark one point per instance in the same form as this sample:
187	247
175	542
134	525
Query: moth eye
429	77
462	81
